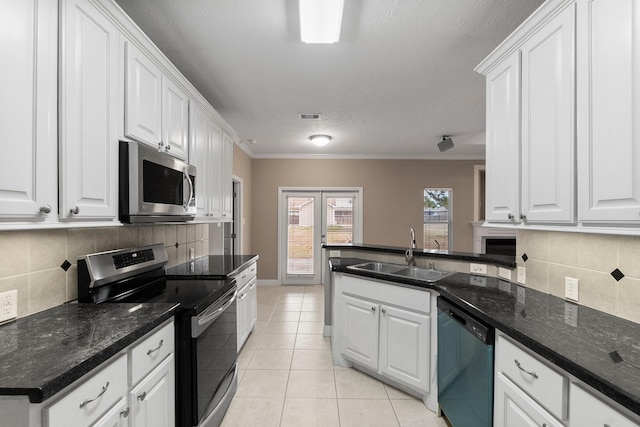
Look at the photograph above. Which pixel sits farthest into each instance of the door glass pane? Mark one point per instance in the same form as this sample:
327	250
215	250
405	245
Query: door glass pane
300	235
437	218
339	217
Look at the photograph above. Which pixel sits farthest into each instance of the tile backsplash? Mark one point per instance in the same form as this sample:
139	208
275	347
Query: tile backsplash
41	264
596	260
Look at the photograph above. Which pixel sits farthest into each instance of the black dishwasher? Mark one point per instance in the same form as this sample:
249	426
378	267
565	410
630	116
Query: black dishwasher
465	367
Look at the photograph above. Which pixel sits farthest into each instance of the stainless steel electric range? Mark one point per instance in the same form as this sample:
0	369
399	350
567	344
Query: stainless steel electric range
206	344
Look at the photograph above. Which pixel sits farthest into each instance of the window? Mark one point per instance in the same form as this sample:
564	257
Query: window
437	229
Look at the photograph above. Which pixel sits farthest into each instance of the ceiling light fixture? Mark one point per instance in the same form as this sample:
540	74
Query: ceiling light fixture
320	20
320	140
446	143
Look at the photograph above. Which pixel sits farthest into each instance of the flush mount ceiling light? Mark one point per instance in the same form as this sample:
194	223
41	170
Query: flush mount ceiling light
320	140
320	20
445	143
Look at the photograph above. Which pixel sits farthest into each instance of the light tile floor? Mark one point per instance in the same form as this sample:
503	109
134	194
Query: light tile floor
287	377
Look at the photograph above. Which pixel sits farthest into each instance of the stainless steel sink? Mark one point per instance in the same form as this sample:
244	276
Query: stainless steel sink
418	273
378	267
427	274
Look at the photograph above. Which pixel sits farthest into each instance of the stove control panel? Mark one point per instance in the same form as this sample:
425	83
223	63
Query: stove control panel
132	258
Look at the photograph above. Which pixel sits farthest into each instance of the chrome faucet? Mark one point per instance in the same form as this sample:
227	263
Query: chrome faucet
408	255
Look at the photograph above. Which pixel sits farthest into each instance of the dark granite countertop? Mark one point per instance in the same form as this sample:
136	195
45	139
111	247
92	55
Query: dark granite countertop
599	349
211	267
499	260
43	353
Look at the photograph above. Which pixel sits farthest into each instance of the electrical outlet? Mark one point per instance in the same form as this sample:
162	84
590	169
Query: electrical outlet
504	273
571	288
571	314
522	275
334	254
8	305
478	268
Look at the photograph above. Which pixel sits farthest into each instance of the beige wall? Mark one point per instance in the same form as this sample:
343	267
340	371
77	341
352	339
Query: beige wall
393	198
242	168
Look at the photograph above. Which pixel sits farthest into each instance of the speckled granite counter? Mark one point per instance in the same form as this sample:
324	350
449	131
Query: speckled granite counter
42	353
599	349
211	267
499	260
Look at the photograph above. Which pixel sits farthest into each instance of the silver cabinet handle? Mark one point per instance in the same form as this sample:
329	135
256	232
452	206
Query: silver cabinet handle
161	143
87	401
243	296
141	396
46	209
124	413
523	217
75	210
168	148
373	309
510	216
155	349
383	311
533	374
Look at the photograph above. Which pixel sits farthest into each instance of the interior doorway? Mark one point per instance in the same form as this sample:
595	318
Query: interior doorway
232	231
309	218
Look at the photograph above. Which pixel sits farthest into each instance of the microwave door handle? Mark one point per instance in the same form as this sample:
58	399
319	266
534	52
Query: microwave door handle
186	204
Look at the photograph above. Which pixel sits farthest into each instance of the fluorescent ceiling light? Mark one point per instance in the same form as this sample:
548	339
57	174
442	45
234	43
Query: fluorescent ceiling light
320	20
320	140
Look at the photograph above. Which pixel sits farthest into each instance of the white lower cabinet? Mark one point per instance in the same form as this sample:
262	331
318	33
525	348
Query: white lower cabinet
385	329
514	408
136	388
247	306
152	401
588	410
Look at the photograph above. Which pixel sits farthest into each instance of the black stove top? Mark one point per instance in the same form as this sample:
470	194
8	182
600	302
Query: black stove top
194	296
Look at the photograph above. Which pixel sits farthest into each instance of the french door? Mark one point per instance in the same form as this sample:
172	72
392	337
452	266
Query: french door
309	218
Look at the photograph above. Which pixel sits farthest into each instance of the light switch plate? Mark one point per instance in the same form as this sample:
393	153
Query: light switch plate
478	268
522	275
571	289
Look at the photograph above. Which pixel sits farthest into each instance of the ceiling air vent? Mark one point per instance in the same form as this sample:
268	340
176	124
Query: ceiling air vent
312	116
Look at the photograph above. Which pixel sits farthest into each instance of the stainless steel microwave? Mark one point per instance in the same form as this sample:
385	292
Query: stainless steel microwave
154	186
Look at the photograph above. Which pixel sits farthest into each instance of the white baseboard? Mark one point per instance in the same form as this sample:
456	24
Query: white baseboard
271	282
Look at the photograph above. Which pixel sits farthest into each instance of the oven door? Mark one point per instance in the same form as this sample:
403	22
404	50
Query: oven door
214	351
155	186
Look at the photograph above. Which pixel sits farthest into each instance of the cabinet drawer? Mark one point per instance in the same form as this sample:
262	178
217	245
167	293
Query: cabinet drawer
586	410
88	401
151	351
543	384
246	275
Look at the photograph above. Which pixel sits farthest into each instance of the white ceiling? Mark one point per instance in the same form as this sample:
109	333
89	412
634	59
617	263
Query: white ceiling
400	77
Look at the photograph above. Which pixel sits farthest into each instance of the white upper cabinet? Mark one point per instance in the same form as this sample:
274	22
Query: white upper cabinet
90	78
28	113
226	178
503	142
548	122
609	111
157	109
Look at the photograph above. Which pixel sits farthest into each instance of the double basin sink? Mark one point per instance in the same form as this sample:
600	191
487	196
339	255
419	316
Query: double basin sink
428	275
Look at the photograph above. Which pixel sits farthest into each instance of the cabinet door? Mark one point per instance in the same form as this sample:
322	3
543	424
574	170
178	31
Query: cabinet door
548	120
360	331
503	142
226	178
200	156
116	417
587	410
89	113
216	174
252	304
175	119
241	316
513	408
153	400
404	346
609	111
143	98
28	114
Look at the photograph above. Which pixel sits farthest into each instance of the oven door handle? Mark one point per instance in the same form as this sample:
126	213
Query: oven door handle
208	317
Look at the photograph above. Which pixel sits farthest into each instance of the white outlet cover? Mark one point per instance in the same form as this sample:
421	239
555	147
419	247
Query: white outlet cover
478	268
504	273
522	275
571	288
8	305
